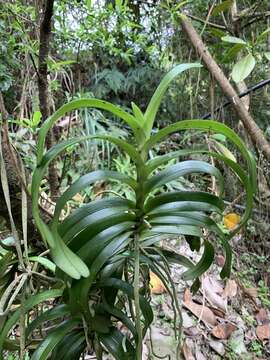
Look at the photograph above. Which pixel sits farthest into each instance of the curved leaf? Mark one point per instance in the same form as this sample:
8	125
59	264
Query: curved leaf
128	289
92	224
67	260
226	270
53	338
187	218
77	104
28	305
56	312
155	101
181	169
83	182
114	341
91	208
183	196
206	125
43	261
249	180
70	347
89	251
204	263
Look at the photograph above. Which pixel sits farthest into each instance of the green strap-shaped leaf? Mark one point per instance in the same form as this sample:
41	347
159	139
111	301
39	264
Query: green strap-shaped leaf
181	169
92	224
204	263
184	206
70	347
120	315
83	182
90	208
158	233
187	218
82	103
248	180
226	270
171	257
93	246
43	261
67	260
155	101
114	342
137	113
207	125
183	196
49	315
79	292
152	164
28	305
53	338
128	289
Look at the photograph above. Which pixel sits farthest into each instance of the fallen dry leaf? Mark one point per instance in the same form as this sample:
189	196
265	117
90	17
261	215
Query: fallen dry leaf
218	312
212	289
231	220
223	331
220	260
168	312
199	355
218	347
186	351
251	292
145	352
192	331
201	312
156	285
263	332
187	296
230	289
262	317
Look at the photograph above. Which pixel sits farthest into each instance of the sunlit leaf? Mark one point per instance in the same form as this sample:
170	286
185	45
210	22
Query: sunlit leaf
156	285
267	55
224	6
231	220
243	68
233	40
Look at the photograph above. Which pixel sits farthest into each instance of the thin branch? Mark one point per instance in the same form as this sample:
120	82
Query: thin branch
253	130
245	93
256	18
213	25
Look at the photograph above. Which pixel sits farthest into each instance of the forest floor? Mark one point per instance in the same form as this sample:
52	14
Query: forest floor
225	320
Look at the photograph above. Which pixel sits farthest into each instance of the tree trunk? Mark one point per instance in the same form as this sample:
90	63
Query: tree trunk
44	47
251	127
12	165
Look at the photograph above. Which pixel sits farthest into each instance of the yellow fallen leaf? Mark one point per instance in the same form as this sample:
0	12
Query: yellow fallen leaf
156	285
78	198
231	220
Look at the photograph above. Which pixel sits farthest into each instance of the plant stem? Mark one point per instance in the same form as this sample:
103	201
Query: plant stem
136	285
22	325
